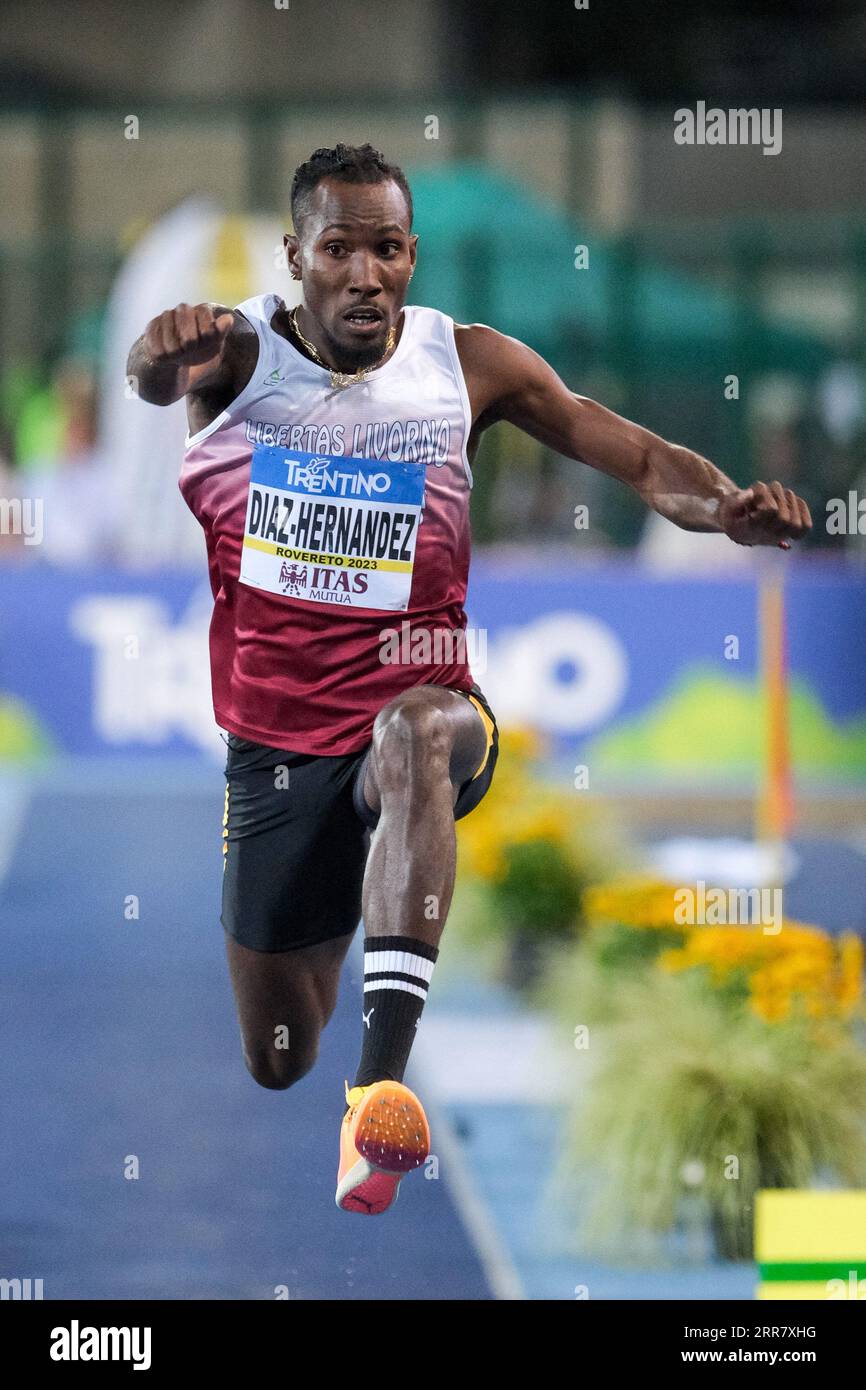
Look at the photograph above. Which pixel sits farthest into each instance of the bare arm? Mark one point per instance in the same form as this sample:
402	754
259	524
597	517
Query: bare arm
178	350
508	381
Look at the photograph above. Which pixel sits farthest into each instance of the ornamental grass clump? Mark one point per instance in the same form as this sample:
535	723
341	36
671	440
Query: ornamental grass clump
720	1059
691	1084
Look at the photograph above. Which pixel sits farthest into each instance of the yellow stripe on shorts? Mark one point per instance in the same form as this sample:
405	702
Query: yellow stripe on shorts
488	729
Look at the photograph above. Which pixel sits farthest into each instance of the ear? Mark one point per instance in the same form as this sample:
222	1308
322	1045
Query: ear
293	254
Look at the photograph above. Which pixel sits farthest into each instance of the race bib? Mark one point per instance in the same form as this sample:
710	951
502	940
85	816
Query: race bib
332	530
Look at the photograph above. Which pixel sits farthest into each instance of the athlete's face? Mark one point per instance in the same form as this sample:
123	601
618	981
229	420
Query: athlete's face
354	256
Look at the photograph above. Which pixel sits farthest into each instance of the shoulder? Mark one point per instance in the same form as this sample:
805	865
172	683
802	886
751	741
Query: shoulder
480	346
494	364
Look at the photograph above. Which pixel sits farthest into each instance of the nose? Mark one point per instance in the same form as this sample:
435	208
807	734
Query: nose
364	274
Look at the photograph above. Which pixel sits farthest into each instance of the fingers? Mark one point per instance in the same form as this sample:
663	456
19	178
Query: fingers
211	328
758	500
179	332
763	508
204	319
781	523
805	516
186	326
154	340
162	337
793	528
186	334
760	513
800	520
777	512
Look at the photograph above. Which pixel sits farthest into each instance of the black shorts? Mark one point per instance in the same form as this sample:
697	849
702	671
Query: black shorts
293	861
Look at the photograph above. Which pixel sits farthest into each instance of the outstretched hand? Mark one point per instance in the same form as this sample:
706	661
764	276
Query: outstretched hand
186	336
764	514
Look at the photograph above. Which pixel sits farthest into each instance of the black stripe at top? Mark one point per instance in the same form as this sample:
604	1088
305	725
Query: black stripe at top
401	943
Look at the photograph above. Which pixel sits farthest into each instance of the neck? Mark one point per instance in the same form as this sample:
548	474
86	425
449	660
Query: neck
329	353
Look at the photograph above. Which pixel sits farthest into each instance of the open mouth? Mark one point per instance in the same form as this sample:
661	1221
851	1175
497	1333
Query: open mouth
365	320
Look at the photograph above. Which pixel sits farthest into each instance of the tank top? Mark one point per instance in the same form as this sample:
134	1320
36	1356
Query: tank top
337	528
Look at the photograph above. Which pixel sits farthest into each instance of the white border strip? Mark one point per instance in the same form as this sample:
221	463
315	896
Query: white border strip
473	1211
460	379
495	1257
15	798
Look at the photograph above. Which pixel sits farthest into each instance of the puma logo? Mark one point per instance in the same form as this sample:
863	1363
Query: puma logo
367	1017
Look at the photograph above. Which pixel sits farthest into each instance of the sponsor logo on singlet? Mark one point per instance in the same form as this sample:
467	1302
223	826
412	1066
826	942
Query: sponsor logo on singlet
332	529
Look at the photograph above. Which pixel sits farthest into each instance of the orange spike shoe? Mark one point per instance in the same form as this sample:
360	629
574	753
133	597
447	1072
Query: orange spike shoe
384	1136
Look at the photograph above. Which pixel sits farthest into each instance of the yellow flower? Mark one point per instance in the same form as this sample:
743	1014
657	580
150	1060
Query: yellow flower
523	809
771	1007
636	902
801	967
518	743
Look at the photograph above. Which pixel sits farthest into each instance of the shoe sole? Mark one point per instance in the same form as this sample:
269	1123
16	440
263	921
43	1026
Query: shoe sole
368	1190
392	1137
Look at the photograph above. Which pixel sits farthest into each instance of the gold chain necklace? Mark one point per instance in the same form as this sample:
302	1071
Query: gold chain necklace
340	378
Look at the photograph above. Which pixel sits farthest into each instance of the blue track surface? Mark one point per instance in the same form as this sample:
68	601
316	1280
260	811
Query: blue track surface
119	1039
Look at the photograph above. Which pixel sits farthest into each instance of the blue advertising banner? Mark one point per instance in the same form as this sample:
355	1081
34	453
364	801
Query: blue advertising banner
639	674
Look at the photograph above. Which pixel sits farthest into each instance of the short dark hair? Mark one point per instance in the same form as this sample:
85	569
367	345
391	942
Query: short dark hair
352	164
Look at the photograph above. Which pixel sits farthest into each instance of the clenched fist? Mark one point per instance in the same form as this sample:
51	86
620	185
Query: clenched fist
764	514
186	335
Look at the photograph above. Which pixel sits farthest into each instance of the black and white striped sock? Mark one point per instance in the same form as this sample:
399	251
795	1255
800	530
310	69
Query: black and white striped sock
397	971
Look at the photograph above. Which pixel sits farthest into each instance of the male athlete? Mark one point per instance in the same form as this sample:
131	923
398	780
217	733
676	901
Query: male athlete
329	463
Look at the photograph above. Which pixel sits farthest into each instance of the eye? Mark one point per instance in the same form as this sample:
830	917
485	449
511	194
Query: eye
334	248
391	247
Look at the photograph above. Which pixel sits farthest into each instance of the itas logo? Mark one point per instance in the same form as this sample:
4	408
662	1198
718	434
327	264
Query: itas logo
275	377
335	586
292	579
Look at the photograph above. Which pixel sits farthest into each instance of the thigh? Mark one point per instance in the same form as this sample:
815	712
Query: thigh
294	851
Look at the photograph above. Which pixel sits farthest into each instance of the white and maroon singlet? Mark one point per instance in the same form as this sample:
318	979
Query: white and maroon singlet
334	517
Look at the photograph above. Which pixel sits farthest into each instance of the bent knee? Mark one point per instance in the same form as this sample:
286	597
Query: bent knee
278	1070
412	733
